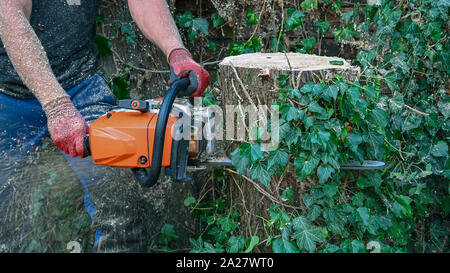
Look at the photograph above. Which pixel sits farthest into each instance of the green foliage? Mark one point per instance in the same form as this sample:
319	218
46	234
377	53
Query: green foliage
237	48
334	122
252	18
398	112
119	86
221	231
217	20
295	19
167	235
126	29
195	26
103	46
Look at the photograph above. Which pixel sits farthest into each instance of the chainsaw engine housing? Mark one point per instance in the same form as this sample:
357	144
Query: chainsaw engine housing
124	137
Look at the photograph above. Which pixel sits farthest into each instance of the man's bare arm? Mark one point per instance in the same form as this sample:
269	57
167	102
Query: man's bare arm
26	52
155	20
66	125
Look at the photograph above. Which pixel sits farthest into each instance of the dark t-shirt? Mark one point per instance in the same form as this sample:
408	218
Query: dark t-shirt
66	29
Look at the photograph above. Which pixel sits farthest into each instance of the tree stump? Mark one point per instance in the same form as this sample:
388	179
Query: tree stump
251	79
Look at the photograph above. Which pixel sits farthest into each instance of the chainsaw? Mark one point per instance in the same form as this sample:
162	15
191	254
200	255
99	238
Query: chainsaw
145	136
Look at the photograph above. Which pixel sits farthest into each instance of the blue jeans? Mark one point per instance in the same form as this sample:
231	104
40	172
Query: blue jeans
23	125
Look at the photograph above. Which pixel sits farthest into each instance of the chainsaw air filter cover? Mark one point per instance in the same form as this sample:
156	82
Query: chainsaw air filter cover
124	138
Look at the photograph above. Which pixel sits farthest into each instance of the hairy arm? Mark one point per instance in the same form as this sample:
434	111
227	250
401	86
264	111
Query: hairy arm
154	19
66	125
26	52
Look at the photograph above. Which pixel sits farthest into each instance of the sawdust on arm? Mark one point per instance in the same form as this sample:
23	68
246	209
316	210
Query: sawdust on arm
26	52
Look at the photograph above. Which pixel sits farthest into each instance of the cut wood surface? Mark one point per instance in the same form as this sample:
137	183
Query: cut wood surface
251	79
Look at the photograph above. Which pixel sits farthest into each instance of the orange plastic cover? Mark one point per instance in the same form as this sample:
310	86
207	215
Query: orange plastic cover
125	138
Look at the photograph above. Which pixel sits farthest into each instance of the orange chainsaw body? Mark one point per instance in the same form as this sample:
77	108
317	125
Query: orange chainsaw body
125	139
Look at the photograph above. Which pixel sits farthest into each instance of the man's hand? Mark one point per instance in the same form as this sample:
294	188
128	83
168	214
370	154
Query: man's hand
66	125
182	65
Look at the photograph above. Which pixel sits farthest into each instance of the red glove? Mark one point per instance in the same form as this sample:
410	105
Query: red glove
66	125
182	65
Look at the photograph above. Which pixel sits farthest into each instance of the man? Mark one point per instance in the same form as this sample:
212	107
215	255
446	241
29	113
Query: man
49	83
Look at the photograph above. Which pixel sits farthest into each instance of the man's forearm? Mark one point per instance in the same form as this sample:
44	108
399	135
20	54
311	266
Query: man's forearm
155	20
27	54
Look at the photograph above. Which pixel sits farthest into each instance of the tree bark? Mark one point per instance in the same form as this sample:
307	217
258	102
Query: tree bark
251	79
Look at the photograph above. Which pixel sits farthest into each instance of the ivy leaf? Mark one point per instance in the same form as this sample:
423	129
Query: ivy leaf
253	242
189	201
397	102
307	236
330	91
217	20
284	246
354	93
358	246
120	86
320	137
226	224
212	45
402	206
308	43
239	162
167	234
278	158
185	19
323	26
364	214
252	18
259	172
330	189
235	244
316	108
335	221
440	149
370	92
198	25
391	80
313	213
295	19
358	199
376	144
288	194
103	46
305	168
378	117
347	16
292	113
444	107
279	216
353	140
256	152
347	33
309	4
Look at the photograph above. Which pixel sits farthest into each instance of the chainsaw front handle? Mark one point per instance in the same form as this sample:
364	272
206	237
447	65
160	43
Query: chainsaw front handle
150	178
